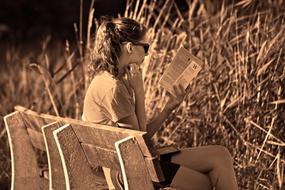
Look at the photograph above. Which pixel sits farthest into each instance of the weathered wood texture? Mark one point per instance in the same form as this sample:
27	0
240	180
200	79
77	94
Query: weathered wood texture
78	156
135	175
154	169
78	173
98	156
25	136
96	146
36	138
25	169
106	136
56	174
93	133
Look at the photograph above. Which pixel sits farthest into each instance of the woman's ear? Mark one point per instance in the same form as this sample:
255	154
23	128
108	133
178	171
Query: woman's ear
129	47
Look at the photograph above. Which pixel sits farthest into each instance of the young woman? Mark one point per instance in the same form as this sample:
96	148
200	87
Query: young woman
116	97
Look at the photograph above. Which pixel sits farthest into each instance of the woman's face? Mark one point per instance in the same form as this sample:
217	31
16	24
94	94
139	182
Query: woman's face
134	52
140	50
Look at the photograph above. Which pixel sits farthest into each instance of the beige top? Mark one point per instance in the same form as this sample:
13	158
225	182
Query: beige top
108	100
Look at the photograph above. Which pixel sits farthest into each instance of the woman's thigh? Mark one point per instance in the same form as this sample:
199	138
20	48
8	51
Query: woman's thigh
202	159
188	179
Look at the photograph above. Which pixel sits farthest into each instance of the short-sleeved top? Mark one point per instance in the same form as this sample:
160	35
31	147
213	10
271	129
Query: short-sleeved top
108	100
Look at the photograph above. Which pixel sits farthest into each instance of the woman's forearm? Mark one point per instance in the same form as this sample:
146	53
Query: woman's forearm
154	125
140	110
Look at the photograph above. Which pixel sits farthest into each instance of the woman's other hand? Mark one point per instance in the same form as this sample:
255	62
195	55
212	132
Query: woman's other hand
174	101
135	79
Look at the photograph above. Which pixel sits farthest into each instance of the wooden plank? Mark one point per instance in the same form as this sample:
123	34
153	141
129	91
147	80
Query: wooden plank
106	136
32	183
23	158
133	167
56	174
77	171
98	156
154	169
99	133
37	139
33	119
108	158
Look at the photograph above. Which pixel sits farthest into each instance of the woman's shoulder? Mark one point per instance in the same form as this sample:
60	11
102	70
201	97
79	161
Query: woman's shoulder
104	82
104	78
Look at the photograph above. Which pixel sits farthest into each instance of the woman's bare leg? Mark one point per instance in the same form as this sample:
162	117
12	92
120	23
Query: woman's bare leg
215	161
188	179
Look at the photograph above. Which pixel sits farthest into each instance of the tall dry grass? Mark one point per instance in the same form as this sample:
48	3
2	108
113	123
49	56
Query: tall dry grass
237	100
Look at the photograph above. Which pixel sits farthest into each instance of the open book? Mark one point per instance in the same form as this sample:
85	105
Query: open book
183	68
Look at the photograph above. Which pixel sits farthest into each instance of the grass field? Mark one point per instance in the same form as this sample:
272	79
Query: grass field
237	100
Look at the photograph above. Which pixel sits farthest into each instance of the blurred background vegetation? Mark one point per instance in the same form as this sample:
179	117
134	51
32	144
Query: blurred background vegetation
237	100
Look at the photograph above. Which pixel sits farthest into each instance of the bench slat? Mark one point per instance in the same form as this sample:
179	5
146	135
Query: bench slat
154	169
101	157
108	158
33	119
23	157
31	183
56	174
37	139
106	140
34	122
106	137
77	171
133	167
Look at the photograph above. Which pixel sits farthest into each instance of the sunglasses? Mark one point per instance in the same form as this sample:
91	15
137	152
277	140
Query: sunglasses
144	45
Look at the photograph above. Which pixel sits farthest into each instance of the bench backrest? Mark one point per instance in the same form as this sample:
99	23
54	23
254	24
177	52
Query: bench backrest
25	168
33	154
120	149
124	150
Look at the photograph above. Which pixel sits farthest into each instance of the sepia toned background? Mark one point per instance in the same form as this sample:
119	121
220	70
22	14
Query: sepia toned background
237	100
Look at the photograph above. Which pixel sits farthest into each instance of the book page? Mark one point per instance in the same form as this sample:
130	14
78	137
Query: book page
183	68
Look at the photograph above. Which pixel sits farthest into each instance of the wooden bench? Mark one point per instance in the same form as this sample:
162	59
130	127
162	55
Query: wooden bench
29	158
82	147
30	136
86	145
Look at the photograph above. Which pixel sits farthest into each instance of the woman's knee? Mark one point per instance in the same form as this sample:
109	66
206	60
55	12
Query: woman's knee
186	178
223	156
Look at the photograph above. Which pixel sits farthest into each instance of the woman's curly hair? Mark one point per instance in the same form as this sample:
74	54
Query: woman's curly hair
109	37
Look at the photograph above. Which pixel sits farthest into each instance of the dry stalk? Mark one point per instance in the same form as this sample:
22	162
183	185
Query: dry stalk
149	16
134	16
90	21
49	84
142	9
167	5
266	137
263	130
279	171
3	132
263	151
73	83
